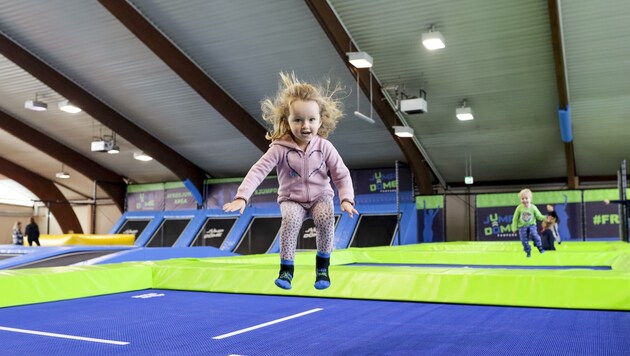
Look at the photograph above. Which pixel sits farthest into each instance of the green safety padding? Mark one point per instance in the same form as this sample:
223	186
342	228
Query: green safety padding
599	195
149	187
39	285
569	288
174	185
565	288
581	289
429	202
557	197
539	197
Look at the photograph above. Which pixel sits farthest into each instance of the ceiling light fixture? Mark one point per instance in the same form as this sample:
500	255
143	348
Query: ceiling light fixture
403	131
35	105
68	107
101	144
468	178
114	149
141	156
62	174
464	113
433	39
360	59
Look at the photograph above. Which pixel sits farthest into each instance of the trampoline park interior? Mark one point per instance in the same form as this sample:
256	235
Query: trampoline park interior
429	266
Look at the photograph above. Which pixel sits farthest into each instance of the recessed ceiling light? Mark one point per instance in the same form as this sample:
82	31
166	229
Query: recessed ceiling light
68	107
141	156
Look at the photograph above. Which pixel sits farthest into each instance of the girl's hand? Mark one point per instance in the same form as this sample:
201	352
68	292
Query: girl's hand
349	208
237	204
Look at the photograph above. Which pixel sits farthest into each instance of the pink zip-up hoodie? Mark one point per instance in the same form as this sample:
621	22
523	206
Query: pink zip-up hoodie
302	176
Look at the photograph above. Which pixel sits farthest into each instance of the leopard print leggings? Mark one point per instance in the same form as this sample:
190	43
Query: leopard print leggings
293	215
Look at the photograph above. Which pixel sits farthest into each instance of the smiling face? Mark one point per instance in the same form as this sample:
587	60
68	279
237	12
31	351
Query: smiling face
304	121
526	199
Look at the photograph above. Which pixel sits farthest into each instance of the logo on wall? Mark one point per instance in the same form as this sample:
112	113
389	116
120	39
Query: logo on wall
498	225
213	233
383	182
310	233
266	191
130	232
179	197
144	202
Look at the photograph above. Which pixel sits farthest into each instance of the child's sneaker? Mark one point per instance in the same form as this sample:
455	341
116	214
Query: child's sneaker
284	280
541	250
529	254
322	280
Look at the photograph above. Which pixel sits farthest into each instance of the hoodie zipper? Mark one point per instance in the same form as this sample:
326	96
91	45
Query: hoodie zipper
306	177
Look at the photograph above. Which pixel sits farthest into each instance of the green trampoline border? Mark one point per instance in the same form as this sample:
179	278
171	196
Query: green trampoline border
559	288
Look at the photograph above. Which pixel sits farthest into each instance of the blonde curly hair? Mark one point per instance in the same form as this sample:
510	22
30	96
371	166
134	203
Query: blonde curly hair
276	111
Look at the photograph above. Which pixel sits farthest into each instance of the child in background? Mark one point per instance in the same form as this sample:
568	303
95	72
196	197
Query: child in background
302	116
552	216
524	221
546	235
16	234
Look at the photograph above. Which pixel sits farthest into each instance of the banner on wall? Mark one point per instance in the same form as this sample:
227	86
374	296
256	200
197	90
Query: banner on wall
495	212
218	192
145	197
431	218
178	197
379	185
221	191
267	191
601	220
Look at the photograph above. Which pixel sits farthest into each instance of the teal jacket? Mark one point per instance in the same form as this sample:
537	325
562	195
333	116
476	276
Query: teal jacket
526	216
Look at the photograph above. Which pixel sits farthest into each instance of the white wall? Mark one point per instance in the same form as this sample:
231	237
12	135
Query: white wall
460	217
9	214
105	218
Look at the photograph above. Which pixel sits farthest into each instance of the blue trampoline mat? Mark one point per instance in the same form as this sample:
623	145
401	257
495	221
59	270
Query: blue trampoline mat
475	266
165	322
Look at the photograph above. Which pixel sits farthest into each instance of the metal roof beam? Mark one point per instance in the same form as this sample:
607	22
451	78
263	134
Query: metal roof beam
183	66
47	191
100	111
340	40
555	22
112	183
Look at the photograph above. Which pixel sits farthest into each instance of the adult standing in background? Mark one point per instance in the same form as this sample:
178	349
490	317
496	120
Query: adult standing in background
32	233
18	238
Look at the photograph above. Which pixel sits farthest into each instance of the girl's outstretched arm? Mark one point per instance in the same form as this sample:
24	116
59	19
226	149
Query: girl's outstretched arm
237	204
349	208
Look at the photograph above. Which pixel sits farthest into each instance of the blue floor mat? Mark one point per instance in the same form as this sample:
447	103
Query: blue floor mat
164	322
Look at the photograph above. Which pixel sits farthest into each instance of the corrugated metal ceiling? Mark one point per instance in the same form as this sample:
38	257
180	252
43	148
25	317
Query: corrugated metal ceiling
498	57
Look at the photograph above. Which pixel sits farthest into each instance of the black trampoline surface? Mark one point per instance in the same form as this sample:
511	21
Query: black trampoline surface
66	259
4	256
